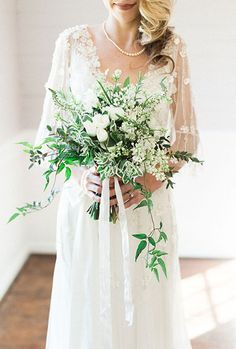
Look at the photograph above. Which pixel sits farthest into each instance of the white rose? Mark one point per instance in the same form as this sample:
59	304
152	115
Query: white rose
113	111
102	134
90	128
101	120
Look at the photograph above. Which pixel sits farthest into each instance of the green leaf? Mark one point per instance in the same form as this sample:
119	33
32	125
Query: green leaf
105	92
159	253
26	144
163	266
126	82
153	260
49	128
152	241
140	236
141	204
68	173
150	203
48	140
61	167
156	273
140	248
46	185
162	236
14	216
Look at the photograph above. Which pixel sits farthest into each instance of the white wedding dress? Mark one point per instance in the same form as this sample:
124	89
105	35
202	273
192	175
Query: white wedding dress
74	319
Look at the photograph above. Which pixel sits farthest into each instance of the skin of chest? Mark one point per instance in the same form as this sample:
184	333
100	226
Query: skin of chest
110	57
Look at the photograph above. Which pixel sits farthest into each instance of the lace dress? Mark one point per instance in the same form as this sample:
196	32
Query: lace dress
74	318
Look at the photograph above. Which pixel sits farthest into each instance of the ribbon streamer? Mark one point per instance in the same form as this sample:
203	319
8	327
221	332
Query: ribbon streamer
129	307
105	262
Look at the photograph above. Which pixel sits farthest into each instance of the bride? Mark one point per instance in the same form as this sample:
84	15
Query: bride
135	37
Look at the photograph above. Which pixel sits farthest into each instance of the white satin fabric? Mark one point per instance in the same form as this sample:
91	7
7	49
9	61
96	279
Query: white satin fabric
104	262
101	298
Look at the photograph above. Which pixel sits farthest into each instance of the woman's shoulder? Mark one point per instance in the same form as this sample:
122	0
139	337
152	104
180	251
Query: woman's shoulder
66	36
175	45
75	32
176	37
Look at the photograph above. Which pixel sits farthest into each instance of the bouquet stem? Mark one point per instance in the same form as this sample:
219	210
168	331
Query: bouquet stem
94	211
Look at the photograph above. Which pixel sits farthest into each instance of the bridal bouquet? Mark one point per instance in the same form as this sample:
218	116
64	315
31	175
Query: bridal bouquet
115	128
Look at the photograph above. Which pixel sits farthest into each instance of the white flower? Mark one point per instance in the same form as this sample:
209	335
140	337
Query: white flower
90	128
133	115
128	129
102	134
101	120
97	126
113	111
117	74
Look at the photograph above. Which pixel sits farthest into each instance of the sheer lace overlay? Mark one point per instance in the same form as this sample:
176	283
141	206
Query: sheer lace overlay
184	118
75	52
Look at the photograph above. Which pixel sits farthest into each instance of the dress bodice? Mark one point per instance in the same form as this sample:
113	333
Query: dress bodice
76	65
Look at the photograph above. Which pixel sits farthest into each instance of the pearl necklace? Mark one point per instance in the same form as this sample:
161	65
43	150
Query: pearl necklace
120	49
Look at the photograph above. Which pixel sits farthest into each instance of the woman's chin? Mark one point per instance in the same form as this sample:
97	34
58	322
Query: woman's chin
127	14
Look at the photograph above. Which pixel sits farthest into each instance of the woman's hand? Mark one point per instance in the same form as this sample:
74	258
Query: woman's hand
90	181
91	184
131	196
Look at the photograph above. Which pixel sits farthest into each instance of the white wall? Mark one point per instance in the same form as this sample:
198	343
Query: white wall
12	239
209	29
205	203
9	101
39	23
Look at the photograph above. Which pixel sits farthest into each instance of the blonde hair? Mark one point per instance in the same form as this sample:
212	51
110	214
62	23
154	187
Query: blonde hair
154	20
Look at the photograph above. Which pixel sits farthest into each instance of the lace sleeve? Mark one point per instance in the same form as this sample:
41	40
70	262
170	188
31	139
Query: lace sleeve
58	79
186	135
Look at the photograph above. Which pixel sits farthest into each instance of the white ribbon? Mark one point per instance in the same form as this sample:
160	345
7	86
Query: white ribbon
104	262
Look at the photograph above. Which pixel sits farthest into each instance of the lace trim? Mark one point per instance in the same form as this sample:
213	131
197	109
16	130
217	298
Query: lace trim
80	37
187	130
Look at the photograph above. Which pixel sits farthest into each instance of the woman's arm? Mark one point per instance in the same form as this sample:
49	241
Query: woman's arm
185	135
58	79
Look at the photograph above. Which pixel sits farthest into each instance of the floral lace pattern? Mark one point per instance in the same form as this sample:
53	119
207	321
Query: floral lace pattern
179	80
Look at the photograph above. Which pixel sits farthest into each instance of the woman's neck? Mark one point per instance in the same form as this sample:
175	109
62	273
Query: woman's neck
124	34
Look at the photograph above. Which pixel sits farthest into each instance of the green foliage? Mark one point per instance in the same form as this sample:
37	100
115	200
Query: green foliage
69	144
140	236
141	247
148	240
